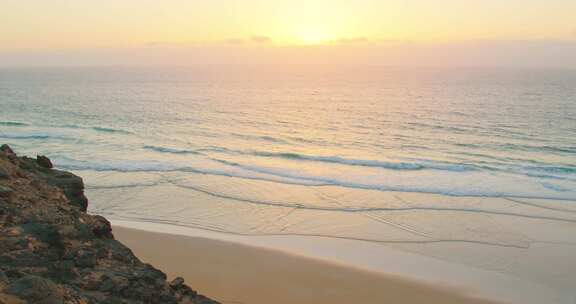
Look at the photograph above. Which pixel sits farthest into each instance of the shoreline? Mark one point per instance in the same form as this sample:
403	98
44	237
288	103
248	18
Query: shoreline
372	258
240	273
361	258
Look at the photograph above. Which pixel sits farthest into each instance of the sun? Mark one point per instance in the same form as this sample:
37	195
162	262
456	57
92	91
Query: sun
314	35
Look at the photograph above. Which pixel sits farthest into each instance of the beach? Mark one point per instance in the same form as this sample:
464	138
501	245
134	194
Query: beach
288	152
248	274
463	180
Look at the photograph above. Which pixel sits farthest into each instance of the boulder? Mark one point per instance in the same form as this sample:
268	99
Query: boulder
72	185
177	282
6	149
100	226
44	162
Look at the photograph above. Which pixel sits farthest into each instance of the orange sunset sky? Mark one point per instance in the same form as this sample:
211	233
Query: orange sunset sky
423	32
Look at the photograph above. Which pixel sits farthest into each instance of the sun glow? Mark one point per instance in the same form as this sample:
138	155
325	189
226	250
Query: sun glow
100	24
315	35
316	23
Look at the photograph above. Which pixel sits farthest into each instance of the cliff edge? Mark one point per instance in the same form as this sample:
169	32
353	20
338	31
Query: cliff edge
52	251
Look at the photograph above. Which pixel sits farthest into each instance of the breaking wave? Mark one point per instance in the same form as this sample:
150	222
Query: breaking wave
13	124
369	162
171	150
237	170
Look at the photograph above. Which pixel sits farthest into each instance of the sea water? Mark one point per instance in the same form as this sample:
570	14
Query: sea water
471	166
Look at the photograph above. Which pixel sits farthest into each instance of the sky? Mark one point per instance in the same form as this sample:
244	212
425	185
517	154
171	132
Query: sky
403	32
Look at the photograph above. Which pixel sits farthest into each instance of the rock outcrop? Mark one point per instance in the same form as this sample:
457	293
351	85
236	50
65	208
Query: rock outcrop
52	251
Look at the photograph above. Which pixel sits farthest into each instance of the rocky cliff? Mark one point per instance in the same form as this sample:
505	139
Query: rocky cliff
52	251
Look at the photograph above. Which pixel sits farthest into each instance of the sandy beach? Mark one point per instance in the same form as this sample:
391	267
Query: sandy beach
288	152
245	274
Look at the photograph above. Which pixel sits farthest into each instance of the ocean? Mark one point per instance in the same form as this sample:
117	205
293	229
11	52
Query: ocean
471	166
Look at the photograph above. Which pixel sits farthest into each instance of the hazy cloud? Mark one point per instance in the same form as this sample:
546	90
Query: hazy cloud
164	44
235	41
260	39
160	44
477	53
250	40
354	40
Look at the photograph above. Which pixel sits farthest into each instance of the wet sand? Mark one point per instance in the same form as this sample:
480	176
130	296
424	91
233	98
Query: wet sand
236	273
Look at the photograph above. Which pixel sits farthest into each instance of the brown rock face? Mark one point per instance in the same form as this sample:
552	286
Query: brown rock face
52	252
44	161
